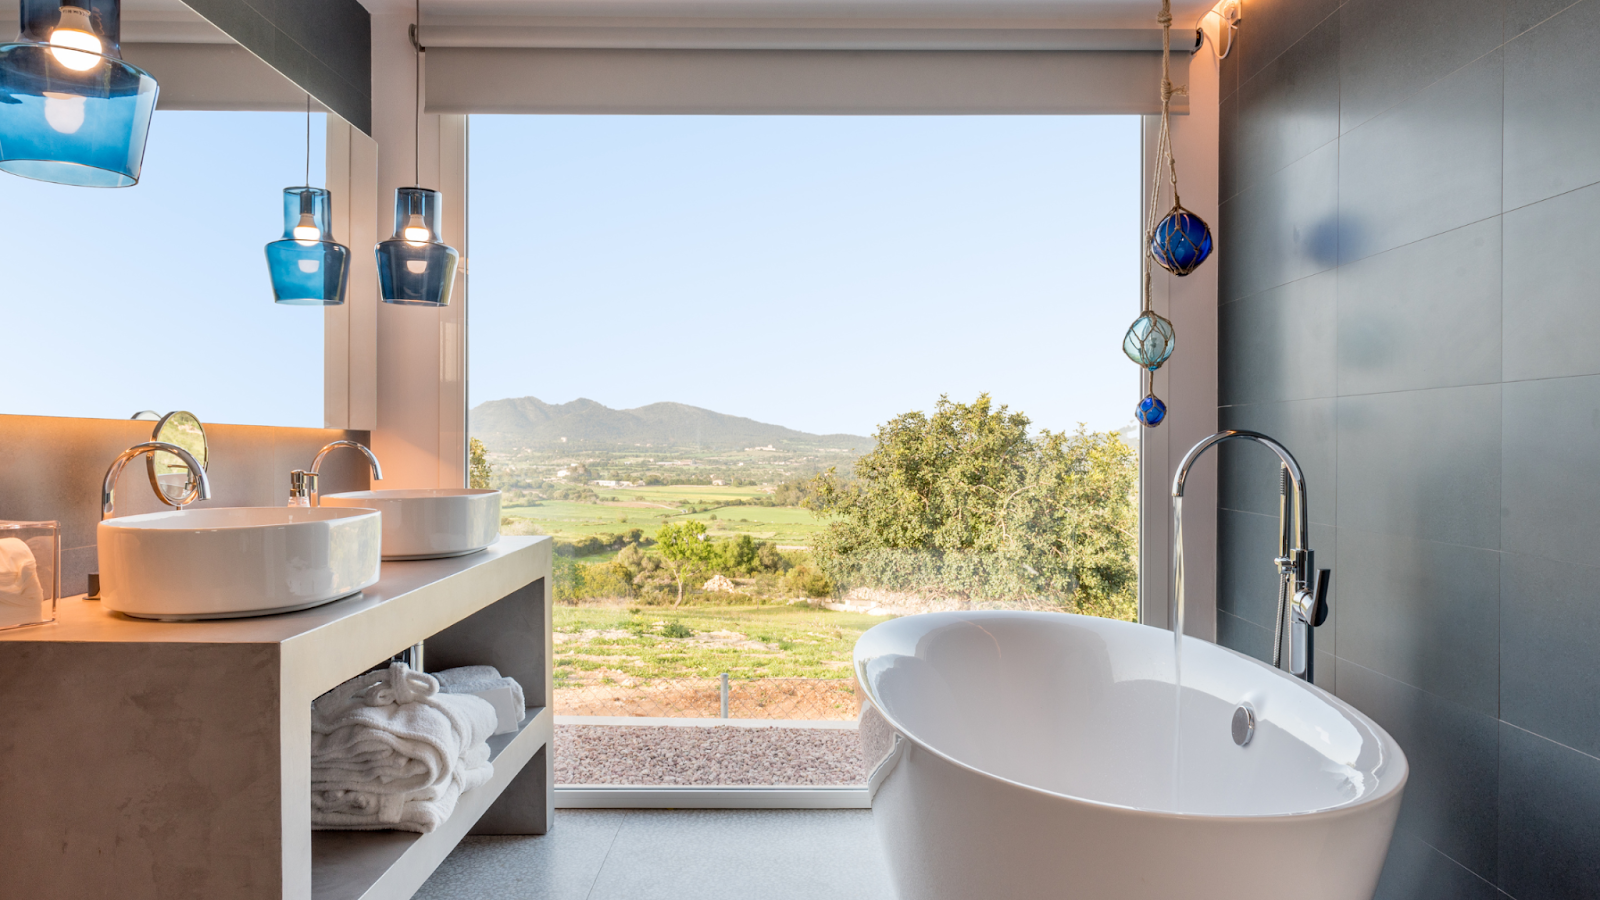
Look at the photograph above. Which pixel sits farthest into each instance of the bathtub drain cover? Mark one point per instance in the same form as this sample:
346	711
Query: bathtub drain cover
1244	724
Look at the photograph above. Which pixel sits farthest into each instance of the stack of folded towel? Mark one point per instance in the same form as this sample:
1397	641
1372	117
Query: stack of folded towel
502	692
390	750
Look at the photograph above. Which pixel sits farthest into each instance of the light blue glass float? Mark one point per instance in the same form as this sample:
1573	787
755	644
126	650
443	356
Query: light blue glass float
1149	341
415	267
1151	411
71	111
308	267
1181	242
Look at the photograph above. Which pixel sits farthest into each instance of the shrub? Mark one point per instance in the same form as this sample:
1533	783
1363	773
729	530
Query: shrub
808	580
676	629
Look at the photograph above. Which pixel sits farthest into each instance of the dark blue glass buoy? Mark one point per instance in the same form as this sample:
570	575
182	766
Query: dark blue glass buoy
1151	411
1149	341
71	111
1181	242
415	267
308	267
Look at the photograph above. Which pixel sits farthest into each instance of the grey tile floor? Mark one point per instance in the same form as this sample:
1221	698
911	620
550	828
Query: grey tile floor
702	854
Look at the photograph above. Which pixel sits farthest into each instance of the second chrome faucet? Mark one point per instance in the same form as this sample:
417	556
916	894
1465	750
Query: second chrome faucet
303	488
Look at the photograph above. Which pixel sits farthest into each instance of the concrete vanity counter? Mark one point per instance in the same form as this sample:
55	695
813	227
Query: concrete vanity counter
169	760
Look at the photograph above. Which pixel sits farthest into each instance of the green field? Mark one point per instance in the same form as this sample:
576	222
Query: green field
620	510
599	644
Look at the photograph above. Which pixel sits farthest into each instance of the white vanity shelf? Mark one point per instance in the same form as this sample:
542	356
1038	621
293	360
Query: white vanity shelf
163	759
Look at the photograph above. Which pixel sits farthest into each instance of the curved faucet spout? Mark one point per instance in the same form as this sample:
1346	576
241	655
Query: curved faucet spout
1296	477
109	486
316	466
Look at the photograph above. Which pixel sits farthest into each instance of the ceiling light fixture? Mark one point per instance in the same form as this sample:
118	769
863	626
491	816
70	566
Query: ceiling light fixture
71	111
307	266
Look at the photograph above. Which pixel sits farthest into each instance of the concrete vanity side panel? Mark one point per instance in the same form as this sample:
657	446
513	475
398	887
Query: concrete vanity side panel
139	771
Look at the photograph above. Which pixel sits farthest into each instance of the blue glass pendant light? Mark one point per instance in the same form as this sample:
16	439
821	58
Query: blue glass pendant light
71	111
1181	242
1149	341
415	267
308	267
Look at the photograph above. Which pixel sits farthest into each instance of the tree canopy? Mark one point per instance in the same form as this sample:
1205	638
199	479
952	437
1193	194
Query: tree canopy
967	502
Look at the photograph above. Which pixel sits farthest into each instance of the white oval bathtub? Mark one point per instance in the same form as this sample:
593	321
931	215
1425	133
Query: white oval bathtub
1030	755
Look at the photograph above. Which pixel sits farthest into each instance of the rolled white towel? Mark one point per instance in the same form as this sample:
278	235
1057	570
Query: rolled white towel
391	732
355	809
20	591
503	692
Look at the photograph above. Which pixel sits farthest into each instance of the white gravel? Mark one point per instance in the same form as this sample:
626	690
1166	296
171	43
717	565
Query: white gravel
716	755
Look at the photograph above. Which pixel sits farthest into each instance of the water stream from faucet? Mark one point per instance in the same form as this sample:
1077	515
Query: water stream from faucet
1177	653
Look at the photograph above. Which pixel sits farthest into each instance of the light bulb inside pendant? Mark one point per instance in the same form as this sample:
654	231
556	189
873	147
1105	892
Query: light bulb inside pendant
307	231
73	42
416	231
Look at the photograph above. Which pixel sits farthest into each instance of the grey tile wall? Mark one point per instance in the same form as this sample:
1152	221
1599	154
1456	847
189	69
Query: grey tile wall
324	46
1407	304
52	469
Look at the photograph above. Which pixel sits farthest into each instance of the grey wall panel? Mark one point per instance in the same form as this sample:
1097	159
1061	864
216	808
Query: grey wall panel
1461	432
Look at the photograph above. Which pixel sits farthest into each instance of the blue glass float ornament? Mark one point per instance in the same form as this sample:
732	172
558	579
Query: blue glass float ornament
71	111
1180	242
308	267
1151	411
1149	341
415	267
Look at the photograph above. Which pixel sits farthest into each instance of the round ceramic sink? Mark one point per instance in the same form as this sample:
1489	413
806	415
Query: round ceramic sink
429	523
229	562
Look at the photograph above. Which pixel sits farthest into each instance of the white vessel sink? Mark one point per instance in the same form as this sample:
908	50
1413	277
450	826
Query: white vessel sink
230	562
429	523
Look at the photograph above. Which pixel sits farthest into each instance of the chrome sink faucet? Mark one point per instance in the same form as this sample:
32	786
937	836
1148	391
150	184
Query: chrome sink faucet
109	486
1302	588
303	490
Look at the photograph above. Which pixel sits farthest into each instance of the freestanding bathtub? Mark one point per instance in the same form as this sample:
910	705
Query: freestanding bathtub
1019	755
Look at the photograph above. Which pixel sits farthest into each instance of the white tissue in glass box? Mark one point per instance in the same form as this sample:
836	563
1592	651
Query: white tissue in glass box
28	585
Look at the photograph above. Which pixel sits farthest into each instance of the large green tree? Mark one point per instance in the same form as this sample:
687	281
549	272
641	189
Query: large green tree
684	550
967	502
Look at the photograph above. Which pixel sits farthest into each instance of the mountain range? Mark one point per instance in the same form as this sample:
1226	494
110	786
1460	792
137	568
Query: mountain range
531	422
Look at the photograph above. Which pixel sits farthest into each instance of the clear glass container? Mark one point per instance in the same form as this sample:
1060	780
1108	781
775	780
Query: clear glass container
73	116
415	267
304	272
30	573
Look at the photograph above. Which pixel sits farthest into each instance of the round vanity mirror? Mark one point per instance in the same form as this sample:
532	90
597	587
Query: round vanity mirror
172	480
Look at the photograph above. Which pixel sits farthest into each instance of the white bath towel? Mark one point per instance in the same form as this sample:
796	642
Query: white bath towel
503	692
422	811
20	592
392	732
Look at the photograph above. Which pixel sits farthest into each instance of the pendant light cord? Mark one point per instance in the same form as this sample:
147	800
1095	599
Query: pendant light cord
308	140
1163	146
416	112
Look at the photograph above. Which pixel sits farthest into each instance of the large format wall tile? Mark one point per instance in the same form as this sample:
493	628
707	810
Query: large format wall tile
1552	298
1291	108
1549	629
1425	167
1451	800
1549	819
1247	473
1274	27
1422	464
1389	51
1416	871
1246	546
1423	613
1551	484
1423	315
1521	15
1282	229
1552	118
1279	344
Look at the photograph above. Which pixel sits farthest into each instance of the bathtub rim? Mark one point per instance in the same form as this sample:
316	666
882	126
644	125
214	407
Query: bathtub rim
1388	793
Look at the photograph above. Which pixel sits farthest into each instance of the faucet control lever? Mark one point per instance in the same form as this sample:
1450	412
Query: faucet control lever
1319	610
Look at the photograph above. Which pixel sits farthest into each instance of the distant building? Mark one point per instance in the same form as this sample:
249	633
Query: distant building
610	484
718	482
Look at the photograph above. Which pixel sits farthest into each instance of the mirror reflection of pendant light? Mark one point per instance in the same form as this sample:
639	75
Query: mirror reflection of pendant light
415	267
71	111
308	267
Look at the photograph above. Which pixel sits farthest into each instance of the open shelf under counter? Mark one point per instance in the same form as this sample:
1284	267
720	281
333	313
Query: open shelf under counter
159	759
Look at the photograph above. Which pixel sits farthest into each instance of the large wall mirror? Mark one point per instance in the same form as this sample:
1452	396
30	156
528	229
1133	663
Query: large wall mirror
156	296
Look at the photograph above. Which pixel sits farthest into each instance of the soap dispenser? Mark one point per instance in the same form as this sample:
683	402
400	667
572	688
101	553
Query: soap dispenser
302	485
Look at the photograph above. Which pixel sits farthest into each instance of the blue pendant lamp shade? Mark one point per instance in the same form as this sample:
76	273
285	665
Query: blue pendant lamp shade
308	267
1181	242
71	111
415	267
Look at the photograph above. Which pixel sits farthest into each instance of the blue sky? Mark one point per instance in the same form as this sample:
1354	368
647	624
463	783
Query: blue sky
823	273
156	296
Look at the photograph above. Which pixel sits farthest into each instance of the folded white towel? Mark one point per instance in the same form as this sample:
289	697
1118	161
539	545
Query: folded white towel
421	811
392	732
20	591
503	692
